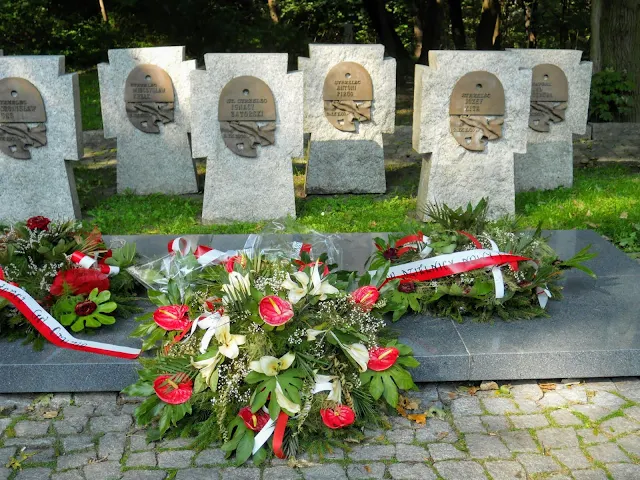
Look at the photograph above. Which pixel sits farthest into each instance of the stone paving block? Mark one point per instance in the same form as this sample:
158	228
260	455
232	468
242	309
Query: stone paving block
631	444
505	470
111	445
411	453
557	437
519	441
33	474
149	475
29	442
529	406
334	454
595	474
608	400
4	423
592	412
370	470
455	470
447	392
535	463
198	474
403	435
526	390
436	431
495	423
176	443
471	424
95	398
624	471
4	473
68	475
138	441
111	423
77	442
600	384
12	401
565	418
463	406
485	446
575	394
588	435
30	428
211	456
552	399
142	459
75	460
499	406
572	457
78	410
632	412
619	425
103	470
372	452
323	472
280	473
39	456
529	421
70	425
240	473
175	458
607	453
411	471
445	451
6	454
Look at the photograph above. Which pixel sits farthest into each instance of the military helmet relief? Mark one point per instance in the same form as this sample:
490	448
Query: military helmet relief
149	98
347	96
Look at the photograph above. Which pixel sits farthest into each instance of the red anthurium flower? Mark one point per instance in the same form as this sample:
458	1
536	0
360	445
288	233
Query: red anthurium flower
253	421
172	317
303	265
232	261
80	280
339	417
173	389
381	358
366	297
274	310
38	223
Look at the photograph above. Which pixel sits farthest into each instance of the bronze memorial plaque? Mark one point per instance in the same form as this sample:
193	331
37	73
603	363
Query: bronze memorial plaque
149	95
347	96
476	110
21	104
549	96
247	115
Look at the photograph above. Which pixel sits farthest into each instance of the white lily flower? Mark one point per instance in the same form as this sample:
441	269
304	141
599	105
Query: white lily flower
321	288
360	355
331	383
287	405
271	366
312	334
238	287
297	290
219	326
209	370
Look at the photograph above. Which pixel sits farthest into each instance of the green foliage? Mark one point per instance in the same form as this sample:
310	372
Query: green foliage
611	96
90	101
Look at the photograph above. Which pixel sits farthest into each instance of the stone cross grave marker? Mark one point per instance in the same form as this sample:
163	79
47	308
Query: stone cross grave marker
40	128
349	102
559	108
471	112
144	94
248	125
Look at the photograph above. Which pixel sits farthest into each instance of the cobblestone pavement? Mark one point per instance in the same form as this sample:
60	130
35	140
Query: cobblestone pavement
587	430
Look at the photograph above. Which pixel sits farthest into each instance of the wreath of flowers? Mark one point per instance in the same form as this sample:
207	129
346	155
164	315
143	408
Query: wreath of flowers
265	353
69	271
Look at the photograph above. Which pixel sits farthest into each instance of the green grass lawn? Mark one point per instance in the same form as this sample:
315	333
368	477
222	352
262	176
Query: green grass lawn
90	101
606	199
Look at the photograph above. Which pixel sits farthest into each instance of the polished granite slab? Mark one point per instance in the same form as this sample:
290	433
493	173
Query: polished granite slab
592	332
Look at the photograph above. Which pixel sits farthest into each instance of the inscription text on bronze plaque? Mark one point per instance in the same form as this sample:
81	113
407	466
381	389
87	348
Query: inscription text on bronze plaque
347	96
149	98
549	97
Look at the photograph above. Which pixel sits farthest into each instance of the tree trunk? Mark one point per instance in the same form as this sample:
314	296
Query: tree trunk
273	11
385	28
417	36
488	33
620	44
429	15
457	24
530	8
103	11
596	48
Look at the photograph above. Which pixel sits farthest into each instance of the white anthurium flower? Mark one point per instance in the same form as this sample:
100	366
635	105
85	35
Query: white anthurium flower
360	355
271	366
287	405
297	290
331	383
321	288
312	334
209	370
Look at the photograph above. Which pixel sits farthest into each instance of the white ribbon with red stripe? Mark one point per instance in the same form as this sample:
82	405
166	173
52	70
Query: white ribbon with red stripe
85	261
205	255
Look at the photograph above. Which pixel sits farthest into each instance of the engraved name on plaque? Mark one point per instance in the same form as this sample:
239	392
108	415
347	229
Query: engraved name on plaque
549	96
347	96
21	104
476	110
149	98
247	115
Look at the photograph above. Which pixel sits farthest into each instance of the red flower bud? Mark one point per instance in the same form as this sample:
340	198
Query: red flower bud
390	254
339	417
38	223
381	358
253	421
366	297
85	308
172	317
274	310
173	389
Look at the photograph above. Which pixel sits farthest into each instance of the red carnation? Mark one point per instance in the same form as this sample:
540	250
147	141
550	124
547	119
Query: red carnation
172	317
80	281
85	308
338	417
38	223
366	297
173	389
381	358
407	287
253	421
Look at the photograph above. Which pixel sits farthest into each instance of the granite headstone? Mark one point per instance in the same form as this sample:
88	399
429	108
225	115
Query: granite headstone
342	161
453	174
156	158
35	178
249	169
548	162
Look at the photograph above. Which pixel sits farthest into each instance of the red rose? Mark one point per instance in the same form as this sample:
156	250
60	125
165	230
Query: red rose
407	287
173	389
38	223
366	297
253	421
172	317
85	308
381	358
338	417
274	310
80	281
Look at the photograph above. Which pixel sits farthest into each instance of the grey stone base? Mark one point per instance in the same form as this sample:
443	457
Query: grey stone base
592	332
545	166
340	166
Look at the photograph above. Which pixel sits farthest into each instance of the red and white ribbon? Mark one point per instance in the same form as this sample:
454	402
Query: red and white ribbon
51	329
205	255
543	296
85	261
